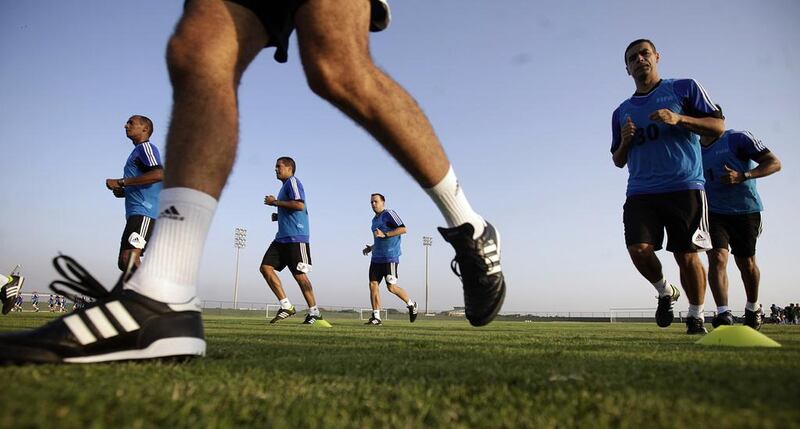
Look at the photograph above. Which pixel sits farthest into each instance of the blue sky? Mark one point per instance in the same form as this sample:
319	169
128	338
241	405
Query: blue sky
521	94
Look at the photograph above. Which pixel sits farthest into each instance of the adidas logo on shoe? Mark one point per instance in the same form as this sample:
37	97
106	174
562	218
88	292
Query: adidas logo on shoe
171	213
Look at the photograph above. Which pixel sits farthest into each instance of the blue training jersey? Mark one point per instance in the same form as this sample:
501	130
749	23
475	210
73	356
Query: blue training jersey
293	225
737	150
142	200
663	158
386	249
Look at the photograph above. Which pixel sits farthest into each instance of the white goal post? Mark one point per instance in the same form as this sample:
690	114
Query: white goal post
630	312
366	313
275	308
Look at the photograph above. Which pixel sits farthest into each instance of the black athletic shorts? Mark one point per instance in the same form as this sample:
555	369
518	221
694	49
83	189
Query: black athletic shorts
740	231
383	270
142	226
277	17
684	214
296	256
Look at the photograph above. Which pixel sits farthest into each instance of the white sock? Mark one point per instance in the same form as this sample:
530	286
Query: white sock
410	303
662	287
285	304
751	306
376	314
169	272
696	311
721	309
449	197
314	311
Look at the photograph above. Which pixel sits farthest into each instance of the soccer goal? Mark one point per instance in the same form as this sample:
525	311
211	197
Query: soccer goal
630	314
366	313
274	308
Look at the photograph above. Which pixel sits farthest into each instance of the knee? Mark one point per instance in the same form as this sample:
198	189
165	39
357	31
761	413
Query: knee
338	80
192	56
746	264
640	250
717	260
265	270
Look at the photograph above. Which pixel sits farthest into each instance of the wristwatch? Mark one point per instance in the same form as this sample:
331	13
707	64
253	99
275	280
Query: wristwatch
747	176
121	183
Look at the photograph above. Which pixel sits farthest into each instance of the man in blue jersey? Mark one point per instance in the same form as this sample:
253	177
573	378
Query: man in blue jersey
731	164
139	185
35	302
214	42
291	245
387	227
656	134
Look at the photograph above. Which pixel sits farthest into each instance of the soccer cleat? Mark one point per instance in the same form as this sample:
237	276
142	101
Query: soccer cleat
664	314
721	319
477	263
753	319
118	325
694	326
374	321
10	291
412	312
380	15
283	313
310	320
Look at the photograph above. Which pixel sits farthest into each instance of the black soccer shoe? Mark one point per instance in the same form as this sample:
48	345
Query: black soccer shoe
723	319
310	320
694	326
412	312
10	291
477	263
664	314
283	313
753	319
374	321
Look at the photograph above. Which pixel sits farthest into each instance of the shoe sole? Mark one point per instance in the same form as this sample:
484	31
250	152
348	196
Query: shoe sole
164	348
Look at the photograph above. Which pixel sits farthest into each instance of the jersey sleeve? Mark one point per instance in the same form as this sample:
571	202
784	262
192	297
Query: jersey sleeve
393	220
294	190
616	131
696	101
746	146
148	157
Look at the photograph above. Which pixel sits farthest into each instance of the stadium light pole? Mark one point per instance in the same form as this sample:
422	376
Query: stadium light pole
239	240
427	242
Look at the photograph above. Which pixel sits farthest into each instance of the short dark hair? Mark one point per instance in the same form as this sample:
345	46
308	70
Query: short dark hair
147	122
634	43
285	160
380	195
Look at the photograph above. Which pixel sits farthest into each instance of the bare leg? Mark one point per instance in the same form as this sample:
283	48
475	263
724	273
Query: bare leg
305	287
273	281
375	295
718	275
205	73
693	276
399	292
334	47
645	260
751	276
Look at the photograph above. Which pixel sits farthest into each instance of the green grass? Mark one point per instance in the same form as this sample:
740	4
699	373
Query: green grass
429	374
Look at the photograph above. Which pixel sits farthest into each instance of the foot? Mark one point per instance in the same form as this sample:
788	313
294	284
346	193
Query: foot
412	312
753	319
283	313
310	320
694	326
664	314
123	325
10	291
477	263
374	321
723	319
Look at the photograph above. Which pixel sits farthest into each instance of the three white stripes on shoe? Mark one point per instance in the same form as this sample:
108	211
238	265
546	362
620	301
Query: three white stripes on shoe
101	323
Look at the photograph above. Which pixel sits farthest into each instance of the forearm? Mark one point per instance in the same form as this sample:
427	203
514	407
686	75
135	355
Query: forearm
765	168
152	176
397	231
712	127
290	205
620	156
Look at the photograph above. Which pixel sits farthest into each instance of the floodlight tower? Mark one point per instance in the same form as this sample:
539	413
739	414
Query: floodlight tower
239	240
427	242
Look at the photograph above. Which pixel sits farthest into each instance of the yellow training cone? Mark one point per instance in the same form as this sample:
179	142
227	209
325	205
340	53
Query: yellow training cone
737	336
321	323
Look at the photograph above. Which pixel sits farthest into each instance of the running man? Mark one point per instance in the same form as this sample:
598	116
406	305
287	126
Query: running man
655	133
291	246
10	289
213	44
731	164
387	227
139	185
35	302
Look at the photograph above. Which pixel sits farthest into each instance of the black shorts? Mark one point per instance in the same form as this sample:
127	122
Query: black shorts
141	225
296	256
277	17
383	270
739	231
684	214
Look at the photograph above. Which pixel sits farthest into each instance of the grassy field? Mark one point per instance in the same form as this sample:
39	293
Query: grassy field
429	374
